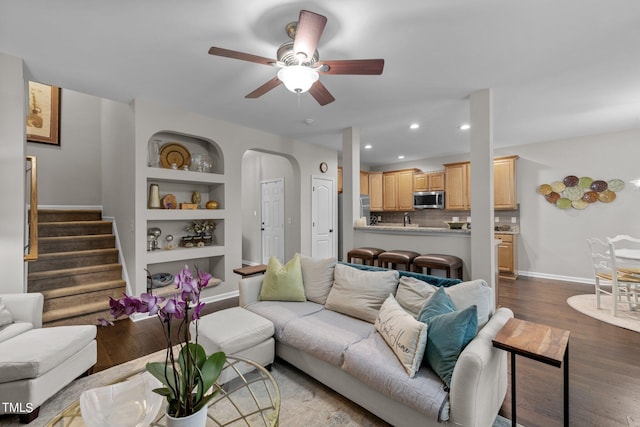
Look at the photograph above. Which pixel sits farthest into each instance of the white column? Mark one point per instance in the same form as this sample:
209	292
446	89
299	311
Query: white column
12	174
483	260
350	186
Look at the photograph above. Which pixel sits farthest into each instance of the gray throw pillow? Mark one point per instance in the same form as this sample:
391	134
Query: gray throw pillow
413	293
317	277
5	315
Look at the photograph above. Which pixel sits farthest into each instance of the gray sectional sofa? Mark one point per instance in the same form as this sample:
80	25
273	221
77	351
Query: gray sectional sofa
349	355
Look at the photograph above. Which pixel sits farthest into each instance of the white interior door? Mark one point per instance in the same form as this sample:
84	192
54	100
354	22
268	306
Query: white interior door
272	219
323	197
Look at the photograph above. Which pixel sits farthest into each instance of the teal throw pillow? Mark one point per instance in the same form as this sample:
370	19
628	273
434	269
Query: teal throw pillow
439	303
283	283
447	335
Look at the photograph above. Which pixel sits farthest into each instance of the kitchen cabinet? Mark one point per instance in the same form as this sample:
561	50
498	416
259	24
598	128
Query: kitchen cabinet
397	190
507	256
375	191
458	184
504	182
364	182
428	181
182	184
339	179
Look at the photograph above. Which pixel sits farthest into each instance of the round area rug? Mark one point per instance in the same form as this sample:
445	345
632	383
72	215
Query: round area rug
586	304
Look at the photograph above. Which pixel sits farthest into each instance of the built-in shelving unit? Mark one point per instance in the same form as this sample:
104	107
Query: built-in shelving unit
182	184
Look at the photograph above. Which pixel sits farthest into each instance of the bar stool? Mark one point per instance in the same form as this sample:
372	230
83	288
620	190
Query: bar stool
438	262
397	257
367	255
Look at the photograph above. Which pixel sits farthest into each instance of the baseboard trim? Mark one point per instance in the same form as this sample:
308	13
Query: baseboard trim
137	317
573	279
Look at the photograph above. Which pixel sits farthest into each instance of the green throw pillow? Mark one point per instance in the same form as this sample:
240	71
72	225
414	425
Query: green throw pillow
283	283
447	335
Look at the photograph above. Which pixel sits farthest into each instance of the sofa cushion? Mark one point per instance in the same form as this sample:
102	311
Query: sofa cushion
283	283
449	332
372	362
406	336
317	277
359	293
5	315
432	280
326	334
13	329
36	351
474	292
413	293
282	312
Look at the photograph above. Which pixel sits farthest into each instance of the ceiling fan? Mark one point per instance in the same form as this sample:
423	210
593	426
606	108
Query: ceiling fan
299	62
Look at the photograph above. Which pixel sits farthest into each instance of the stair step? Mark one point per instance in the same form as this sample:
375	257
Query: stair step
62	215
75	243
73	259
90	312
75	297
46	280
74	228
67	291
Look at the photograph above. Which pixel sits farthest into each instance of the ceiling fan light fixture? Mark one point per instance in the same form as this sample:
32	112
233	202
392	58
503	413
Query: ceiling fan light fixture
298	78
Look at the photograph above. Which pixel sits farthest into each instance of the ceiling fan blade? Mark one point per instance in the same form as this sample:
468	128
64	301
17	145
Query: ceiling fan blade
321	94
353	66
310	28
234	54
271	84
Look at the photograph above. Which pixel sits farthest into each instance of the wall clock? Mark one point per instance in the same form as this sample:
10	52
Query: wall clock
323	167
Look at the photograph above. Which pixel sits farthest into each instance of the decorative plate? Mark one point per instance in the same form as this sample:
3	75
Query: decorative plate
544	189
607	196
616	185
169	202
573	193
174	153
599	185
558	186
585	182
563	203
590	196
571	180
579	204
552	197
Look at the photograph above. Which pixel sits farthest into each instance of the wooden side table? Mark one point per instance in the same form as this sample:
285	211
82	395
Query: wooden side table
251	270
538	342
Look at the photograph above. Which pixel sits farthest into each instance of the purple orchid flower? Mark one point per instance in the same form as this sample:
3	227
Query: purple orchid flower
132	305
151	303
104	322
196	311
203	279
116	309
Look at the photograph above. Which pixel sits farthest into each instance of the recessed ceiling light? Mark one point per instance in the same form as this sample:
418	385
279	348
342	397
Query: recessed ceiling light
464	126
400	157
308	121
414	126
367	147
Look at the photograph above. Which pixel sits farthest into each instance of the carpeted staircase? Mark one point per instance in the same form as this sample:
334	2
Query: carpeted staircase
77	267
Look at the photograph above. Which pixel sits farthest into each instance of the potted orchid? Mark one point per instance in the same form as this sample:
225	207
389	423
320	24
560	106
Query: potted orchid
188	375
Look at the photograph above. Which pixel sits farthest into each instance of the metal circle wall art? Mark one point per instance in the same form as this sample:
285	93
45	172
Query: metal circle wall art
578	193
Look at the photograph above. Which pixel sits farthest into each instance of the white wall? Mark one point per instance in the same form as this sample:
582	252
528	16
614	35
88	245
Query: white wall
60	167
12	173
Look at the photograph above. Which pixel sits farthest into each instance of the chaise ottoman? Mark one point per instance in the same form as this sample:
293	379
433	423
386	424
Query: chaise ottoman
237	332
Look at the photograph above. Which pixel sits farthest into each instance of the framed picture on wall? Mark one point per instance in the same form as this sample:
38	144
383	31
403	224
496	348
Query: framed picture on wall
43	120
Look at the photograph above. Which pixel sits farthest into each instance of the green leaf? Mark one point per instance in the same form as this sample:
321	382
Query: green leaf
163	391
204	401
164	374
211	369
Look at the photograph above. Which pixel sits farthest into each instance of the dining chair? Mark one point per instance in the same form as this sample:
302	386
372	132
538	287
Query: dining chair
626	250
608	279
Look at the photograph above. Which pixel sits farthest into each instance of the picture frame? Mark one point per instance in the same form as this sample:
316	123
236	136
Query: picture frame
43	119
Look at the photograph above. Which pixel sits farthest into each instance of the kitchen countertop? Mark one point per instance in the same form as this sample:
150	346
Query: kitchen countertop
418	229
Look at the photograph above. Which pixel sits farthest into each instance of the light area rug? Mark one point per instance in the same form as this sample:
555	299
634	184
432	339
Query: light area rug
305	401
586	304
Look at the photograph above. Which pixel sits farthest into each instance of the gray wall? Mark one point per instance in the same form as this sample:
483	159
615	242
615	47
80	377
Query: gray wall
70	174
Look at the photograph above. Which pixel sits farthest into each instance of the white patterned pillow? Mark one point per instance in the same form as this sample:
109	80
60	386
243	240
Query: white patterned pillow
406	336
5	315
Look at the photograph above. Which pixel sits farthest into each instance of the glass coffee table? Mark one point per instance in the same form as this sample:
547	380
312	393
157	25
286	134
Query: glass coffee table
249	397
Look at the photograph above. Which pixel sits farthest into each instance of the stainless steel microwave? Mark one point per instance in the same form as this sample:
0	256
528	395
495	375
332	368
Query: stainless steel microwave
428	200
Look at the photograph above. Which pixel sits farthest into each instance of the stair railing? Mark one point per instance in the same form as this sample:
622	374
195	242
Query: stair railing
31	193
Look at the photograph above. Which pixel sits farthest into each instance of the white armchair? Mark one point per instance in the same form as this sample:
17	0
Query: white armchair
36	362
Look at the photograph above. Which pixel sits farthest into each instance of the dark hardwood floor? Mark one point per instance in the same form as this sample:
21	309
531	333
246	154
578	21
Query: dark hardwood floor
604	360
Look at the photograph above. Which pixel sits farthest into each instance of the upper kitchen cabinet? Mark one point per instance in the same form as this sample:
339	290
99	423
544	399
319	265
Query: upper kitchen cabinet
504	182
397	190
364	182
458	184
375	191
339	179
428	181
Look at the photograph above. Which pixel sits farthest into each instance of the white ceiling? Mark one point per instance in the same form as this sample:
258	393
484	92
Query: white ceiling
557	68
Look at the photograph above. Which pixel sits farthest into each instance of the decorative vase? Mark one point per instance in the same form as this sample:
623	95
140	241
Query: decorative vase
199	419
154	196
212	204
